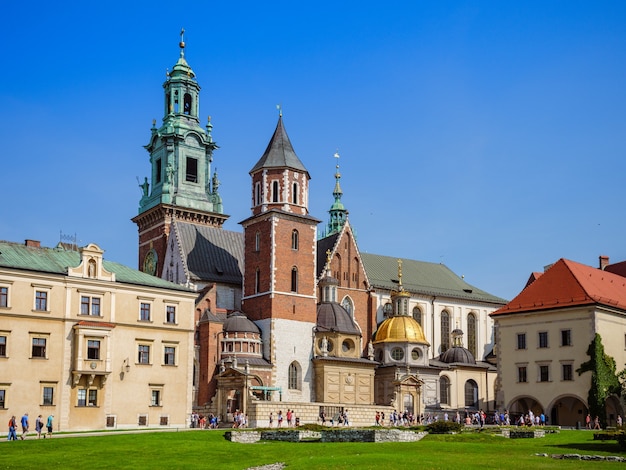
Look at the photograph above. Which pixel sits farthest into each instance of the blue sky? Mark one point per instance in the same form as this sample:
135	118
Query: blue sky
486	135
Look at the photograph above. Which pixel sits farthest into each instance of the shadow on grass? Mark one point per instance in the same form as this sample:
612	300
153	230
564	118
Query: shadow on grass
612	447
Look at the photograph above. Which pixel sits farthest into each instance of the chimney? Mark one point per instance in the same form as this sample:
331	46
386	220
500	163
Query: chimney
604	262
32	243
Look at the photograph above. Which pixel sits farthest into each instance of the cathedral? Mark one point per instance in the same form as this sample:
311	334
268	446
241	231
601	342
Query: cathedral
291	316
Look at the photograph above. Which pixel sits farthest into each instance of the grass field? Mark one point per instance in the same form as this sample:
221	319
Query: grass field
209	449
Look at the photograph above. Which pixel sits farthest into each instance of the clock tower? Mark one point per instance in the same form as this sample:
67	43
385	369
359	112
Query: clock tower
180	186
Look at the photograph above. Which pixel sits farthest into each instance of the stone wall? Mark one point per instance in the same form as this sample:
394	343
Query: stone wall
331	435
358	415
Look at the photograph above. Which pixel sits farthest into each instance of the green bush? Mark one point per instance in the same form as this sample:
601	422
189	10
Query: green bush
444	427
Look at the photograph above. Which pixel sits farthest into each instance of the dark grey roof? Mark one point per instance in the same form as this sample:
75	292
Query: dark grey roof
323	245
333	317
238	322
57	261
211	254
279	152
457	355
421	277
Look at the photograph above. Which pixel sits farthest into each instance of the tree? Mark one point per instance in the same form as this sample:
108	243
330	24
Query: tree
604	380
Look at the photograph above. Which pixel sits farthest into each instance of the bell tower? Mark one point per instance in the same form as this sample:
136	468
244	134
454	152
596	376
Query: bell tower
180	186
279	291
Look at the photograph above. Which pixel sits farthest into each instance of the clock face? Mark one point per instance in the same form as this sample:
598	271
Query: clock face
150	263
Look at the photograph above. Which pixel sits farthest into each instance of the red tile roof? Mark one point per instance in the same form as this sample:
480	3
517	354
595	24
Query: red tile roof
567	284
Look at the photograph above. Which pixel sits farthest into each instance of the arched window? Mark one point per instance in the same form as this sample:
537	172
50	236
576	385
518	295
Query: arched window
257	193
294	376
294	240
471	394
348	305
445	331
294	279
471	333
187	104
417	315
257	281
295	193
275	191
444	390
257	241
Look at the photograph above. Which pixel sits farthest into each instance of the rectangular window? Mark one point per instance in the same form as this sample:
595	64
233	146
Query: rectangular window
544	373
41	300
521	374
158	170
543	339
144	354
39	347
192	170
156	398
144	311
4	297
170	314
90	306
567	372
93	349
566	337
2	399
92	397
82	397
3	346
521	341
48	396
169	358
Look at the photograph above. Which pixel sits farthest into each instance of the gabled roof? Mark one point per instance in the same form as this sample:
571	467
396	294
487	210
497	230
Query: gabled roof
279	152
420	277
617	268
57	261
569	284
211	254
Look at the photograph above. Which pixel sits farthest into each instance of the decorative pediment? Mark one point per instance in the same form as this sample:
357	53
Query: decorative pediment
91	265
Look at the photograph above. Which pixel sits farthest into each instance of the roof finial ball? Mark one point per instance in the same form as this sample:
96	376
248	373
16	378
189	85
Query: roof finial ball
182	42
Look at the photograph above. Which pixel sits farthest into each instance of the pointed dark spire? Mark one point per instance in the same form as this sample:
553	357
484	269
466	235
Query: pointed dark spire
279	152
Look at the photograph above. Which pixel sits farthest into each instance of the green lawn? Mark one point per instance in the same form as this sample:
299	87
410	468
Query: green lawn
209	449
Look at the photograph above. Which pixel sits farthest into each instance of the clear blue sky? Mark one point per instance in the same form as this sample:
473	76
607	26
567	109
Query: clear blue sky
487	135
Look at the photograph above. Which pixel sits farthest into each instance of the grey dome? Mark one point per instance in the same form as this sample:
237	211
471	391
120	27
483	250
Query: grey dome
458	354
333	317
237	322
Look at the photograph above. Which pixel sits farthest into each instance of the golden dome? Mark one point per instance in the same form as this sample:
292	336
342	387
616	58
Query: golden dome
400	329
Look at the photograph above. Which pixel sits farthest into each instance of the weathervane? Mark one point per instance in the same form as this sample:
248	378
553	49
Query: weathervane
182	42
279	107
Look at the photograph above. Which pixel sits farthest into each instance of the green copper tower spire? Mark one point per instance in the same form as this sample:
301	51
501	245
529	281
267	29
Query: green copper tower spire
338	213
181	150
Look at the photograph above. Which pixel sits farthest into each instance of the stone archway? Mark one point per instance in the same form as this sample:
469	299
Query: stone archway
520	406
567	410
613	410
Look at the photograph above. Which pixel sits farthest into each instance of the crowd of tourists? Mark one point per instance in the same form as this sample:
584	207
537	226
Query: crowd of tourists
24	423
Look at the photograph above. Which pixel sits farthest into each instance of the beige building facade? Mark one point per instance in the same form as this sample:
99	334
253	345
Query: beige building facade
94	343
543	336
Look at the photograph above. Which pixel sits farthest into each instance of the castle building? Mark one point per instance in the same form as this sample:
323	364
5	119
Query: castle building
287	318
92	342
543	335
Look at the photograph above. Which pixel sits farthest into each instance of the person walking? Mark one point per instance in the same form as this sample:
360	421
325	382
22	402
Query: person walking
12	425
24	426
49	426
39	426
